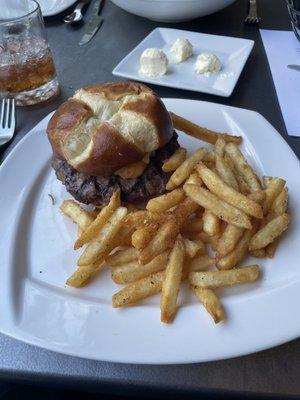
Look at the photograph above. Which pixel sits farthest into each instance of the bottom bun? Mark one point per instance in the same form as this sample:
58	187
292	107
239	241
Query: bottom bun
97	190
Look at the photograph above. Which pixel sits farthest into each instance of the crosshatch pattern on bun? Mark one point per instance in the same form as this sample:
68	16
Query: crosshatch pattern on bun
105	127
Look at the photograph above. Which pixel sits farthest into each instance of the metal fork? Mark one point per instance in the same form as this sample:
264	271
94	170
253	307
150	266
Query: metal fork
7	120
252	17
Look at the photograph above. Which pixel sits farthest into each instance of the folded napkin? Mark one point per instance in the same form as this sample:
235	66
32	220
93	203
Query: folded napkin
282	48
13	8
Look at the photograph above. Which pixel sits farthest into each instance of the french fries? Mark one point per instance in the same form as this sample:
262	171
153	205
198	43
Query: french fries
201	133
186	168
132	171
218	207
163	240
132	271
269	232
175	160
99	247
215	214
166	201
80	216
228	239
139	290
122	257
100	220
216	279
242	167
142	236
211	223
227	193
193	247
172	281
211	302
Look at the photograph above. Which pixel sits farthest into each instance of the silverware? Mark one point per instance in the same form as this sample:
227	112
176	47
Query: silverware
76	15
252	17
7	120
94	22
294	67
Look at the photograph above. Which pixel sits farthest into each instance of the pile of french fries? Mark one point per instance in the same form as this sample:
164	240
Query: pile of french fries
216	212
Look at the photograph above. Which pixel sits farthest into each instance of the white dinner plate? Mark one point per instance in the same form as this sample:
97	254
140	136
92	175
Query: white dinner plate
37	256
53	7
232	52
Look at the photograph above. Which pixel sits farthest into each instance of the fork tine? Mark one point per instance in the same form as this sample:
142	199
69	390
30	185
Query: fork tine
7	113
12	116
2	113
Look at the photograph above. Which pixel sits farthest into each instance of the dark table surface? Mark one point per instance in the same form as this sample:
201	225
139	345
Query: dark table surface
275	371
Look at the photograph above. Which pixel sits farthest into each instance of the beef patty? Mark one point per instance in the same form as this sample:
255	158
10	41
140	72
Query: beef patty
97	190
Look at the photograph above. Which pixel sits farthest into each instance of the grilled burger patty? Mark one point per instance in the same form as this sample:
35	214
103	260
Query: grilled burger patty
97	190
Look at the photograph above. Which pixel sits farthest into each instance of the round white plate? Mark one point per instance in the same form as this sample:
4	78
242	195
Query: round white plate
37	257
53	7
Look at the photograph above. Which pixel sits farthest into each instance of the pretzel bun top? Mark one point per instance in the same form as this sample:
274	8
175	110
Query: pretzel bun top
108	126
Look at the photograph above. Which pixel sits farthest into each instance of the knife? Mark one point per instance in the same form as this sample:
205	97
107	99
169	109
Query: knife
294	66
94	22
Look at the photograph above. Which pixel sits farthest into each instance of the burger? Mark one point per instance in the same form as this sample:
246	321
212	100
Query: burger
102	130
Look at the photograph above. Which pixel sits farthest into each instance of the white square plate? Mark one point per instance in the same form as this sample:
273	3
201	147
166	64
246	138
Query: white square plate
232	52
37	256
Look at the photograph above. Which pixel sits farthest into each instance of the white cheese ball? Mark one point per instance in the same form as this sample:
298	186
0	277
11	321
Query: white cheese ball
153	62
207	64
182	49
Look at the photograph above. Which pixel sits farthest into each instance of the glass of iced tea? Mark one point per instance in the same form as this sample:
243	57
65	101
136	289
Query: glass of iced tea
27	71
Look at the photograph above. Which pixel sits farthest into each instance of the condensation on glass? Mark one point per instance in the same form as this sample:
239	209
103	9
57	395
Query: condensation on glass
27	70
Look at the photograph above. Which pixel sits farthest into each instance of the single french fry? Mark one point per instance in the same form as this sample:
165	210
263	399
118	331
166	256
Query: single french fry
272	191
220	147
268	233
172	282
193	247
195	225
80	216
211	223
242	166
198	132
122	257
142	236
104	215
225	172
99	247
280	204
163	240
271	249
166	201
261	253
201	263
186	168
184	209
142	218
229	239
83	275
133	271
211	303
220	208
216	279
194	178
139	290
132	171
233	258
175	160
227	193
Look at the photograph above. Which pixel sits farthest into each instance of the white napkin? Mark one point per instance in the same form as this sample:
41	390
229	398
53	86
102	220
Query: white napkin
282	49
13	8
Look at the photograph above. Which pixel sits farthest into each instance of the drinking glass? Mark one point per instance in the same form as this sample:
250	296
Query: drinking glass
27	71
294	11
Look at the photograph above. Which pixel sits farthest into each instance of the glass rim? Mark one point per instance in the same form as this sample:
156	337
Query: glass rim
36	9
